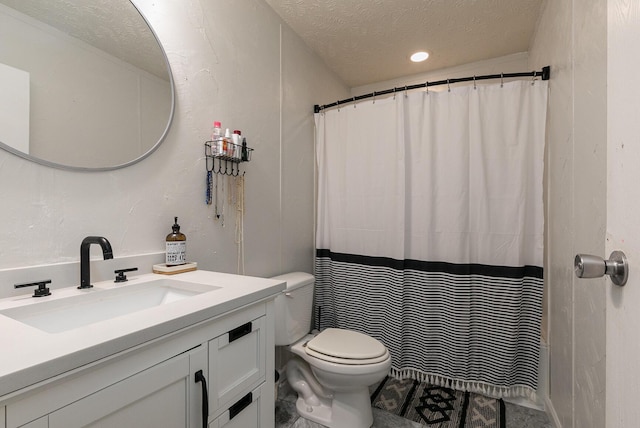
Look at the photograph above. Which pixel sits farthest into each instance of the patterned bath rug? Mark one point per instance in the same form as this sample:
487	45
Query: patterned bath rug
438	407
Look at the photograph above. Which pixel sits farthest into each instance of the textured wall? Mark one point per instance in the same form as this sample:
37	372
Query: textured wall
571	37
226	59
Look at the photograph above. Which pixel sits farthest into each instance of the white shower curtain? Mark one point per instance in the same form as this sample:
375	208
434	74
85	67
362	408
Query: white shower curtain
430	231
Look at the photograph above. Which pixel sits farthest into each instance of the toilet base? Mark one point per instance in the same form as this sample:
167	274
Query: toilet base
347	409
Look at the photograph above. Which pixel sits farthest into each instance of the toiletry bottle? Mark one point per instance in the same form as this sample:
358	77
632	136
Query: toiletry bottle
245	152
216	137
227	142
237	141
176	244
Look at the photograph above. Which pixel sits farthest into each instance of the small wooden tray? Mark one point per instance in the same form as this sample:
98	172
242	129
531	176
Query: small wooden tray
172	270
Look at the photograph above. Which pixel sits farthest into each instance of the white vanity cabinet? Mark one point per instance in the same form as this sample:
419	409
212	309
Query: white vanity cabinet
154	384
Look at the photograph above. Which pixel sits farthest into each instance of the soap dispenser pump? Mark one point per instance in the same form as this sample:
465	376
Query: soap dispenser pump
176	245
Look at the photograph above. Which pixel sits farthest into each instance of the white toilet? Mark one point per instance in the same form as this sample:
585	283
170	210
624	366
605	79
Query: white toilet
333	369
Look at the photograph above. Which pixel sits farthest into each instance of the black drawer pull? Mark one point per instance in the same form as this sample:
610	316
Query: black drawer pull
238	332
240	405
205	398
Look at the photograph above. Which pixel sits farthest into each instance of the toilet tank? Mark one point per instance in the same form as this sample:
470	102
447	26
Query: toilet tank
294	307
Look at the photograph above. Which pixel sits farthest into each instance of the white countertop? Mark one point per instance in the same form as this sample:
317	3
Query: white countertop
29	355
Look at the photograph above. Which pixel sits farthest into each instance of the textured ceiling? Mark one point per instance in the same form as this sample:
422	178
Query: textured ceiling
368	41
113	26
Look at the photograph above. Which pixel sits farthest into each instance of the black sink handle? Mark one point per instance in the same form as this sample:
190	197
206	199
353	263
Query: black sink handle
42	289
121	277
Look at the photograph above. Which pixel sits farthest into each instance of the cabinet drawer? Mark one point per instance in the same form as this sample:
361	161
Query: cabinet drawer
248	412
236	363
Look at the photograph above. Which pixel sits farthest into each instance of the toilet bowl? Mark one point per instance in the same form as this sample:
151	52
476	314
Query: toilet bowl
331	371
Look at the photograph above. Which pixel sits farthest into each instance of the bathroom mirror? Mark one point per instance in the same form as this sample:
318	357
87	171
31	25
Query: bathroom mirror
85	85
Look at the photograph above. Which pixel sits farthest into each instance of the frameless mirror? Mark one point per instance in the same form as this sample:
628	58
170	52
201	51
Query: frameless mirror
85	85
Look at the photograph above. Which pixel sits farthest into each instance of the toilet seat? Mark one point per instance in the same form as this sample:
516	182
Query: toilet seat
348	347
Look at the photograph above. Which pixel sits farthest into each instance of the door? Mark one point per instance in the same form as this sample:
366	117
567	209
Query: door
623	211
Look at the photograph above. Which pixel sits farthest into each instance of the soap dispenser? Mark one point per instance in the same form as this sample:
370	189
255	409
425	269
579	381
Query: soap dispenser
176	245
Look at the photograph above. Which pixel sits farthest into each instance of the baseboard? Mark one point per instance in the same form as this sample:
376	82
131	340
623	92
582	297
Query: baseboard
551	413
526	402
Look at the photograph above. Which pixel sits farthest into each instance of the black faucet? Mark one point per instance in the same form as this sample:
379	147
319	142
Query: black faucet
107	253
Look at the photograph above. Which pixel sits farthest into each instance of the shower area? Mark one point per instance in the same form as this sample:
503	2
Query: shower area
430	229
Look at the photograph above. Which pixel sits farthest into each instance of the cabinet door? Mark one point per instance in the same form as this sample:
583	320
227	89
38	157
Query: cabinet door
236	363
156	397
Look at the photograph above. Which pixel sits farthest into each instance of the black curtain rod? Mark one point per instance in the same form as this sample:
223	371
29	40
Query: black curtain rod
544	74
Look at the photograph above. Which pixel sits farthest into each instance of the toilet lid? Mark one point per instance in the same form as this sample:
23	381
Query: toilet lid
346	347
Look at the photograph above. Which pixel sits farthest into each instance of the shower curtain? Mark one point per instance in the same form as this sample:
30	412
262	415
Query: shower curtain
430	231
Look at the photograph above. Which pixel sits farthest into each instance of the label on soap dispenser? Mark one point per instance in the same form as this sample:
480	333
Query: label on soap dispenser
176	253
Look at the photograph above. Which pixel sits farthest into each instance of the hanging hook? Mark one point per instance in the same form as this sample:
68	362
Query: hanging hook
405	91
394	93
474	82
354	102
426	85
338	104
533	79
374	97
448	85
501	80
209	159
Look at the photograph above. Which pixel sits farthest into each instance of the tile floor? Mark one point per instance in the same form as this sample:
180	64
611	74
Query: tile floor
287	417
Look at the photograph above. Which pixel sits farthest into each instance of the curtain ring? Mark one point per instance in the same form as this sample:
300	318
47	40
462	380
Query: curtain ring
405	92
426	85
338	104
533	79
474	82
448	86
394	93
374	97
354	102
501	80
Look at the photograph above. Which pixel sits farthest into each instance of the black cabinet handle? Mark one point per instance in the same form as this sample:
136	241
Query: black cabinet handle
205	398
238	332
240	405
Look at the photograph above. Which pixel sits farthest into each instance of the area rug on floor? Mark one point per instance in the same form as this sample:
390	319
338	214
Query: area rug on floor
438	407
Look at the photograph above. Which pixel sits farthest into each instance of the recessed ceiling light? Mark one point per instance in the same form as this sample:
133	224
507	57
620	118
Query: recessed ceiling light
419	56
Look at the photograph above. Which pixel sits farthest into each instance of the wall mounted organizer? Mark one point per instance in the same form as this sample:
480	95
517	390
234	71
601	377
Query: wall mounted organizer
225	157
226	192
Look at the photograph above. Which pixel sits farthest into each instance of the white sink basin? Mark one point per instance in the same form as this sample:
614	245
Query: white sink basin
95	304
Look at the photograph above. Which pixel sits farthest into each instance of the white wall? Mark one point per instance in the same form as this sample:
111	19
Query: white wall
571	38
230	63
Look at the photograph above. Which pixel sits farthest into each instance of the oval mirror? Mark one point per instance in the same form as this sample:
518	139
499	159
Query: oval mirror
85	85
